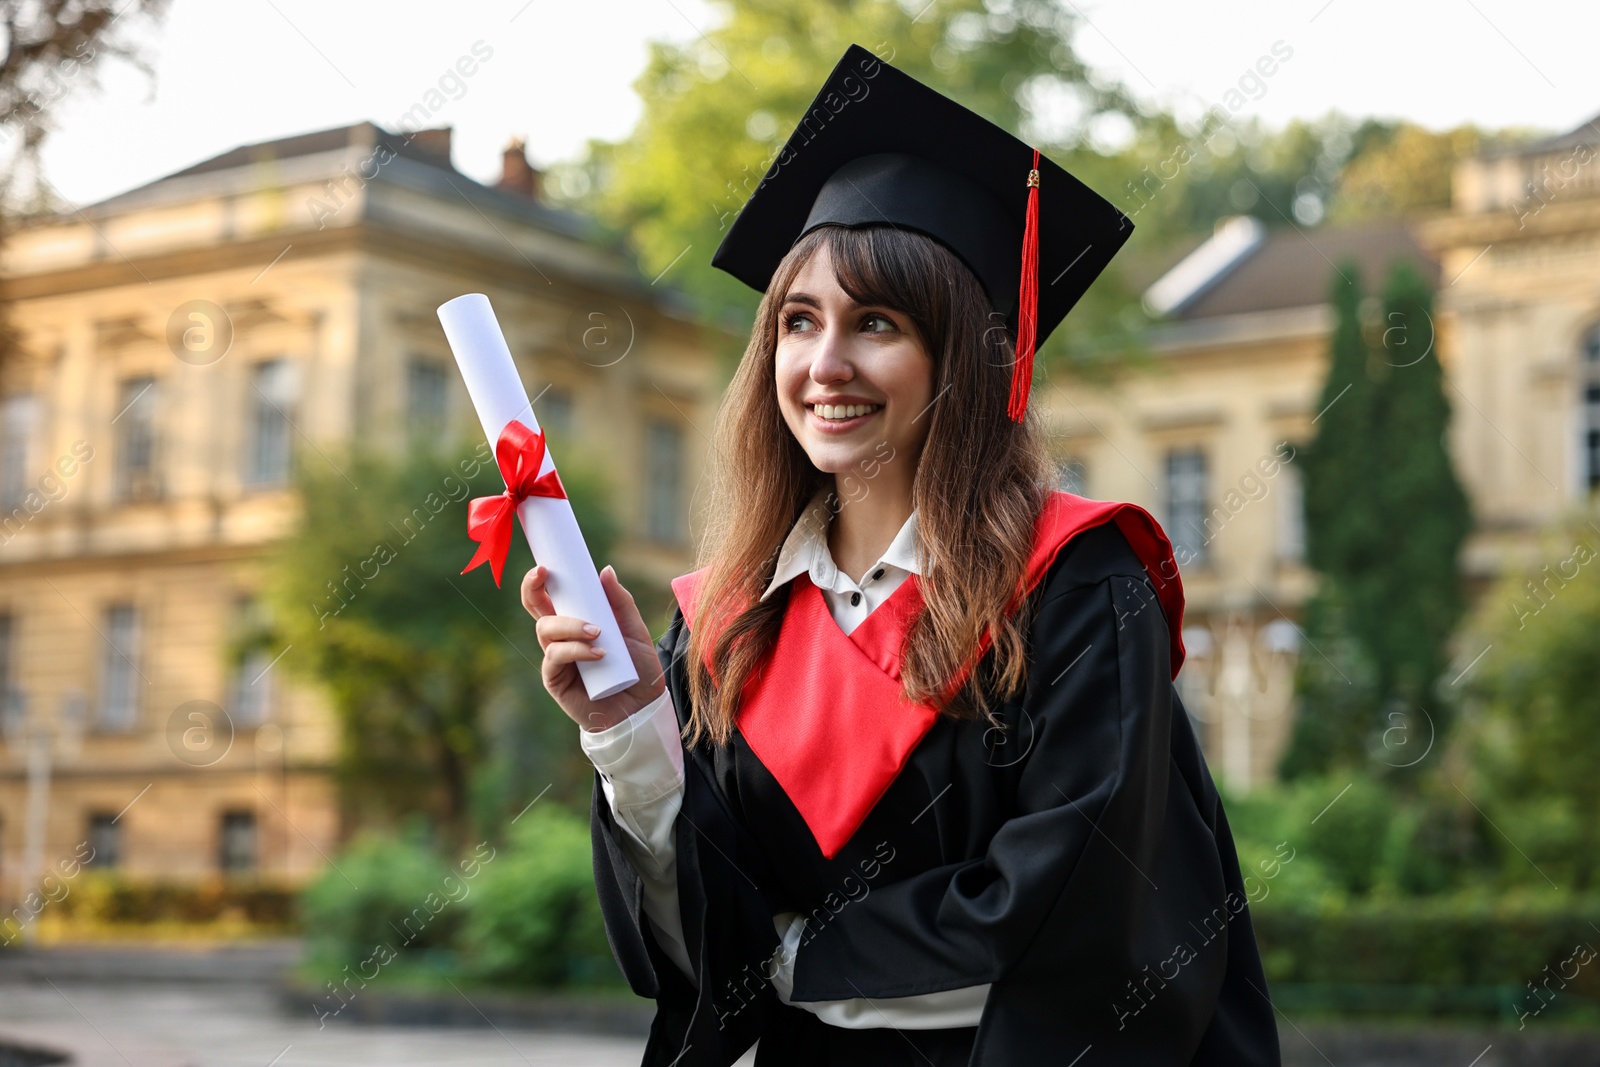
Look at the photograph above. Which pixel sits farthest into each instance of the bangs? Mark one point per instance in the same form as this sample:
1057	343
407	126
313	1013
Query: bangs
895	268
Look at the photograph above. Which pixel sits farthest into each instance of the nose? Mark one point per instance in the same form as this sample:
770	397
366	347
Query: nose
831	362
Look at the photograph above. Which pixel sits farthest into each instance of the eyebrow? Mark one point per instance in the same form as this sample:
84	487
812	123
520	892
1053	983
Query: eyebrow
811	301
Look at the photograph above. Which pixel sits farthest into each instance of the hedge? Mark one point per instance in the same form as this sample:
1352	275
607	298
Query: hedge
1465	953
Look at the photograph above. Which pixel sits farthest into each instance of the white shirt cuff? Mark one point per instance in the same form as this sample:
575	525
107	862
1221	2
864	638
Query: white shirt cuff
640	761
944	1009
640	758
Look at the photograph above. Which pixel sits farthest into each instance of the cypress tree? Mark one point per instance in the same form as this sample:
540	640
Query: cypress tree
1409	608
1385	522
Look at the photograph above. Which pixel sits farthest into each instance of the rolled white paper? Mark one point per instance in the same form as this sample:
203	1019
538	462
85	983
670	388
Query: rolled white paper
547	522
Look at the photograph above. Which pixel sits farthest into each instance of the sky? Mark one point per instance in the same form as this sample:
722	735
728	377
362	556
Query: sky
560	72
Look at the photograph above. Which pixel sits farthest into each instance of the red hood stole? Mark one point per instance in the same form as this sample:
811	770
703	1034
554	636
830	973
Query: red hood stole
824	711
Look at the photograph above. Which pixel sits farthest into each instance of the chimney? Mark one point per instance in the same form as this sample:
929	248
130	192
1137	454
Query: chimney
434	142
517	175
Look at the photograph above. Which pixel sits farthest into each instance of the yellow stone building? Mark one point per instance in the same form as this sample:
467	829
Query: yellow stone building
1205	438
1199	436
178	345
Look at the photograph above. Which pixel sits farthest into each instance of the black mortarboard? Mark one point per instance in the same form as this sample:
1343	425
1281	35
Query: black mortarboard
877	147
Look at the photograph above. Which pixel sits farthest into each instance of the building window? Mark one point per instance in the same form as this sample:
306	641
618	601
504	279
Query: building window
135	475
1591	410
664	520
17	418
555	410
426	400
250	690
119	680
272	397
1196	679
11	709
1186	504
1291	514
7	681
1072	476
237	844
105	838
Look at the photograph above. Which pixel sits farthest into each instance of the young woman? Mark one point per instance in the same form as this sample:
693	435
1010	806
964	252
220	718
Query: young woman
906	781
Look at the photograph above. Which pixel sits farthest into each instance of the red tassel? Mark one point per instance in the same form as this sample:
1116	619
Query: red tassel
1027	302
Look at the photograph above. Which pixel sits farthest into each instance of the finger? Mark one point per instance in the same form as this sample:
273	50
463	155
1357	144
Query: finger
563	652
623	606
534	597
564	628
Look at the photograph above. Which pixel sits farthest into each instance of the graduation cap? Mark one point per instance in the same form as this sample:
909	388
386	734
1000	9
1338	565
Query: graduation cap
877	147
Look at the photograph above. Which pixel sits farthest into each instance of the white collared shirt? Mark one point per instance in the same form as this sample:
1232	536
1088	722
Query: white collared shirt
640	761
805	551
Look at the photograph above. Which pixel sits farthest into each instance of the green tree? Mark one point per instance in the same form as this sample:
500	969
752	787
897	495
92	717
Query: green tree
716	111
1385	522
1174	183
369	598
1412	616
1535	745
1400	168
1334	689
49	49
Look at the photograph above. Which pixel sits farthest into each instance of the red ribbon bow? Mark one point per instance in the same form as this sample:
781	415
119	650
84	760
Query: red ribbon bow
519	453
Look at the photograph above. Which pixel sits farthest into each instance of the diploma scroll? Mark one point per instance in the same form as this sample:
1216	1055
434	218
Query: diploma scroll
547	522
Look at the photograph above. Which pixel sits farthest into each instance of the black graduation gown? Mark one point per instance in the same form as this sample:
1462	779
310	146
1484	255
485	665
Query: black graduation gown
1079	860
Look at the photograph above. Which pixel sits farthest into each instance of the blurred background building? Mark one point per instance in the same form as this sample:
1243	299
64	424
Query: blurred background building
143	475
1199	436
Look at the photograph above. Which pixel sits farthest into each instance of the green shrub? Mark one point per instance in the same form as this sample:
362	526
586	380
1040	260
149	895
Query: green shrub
1347	829
533	917
382	890
1470	938
99	897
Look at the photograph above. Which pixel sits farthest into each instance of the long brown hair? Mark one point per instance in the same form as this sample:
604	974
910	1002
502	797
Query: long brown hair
978	490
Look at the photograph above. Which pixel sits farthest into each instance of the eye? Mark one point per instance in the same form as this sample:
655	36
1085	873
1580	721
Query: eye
798	323
876	323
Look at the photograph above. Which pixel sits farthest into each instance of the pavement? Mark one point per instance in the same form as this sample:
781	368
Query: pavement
224	1006
119	1024
228	1006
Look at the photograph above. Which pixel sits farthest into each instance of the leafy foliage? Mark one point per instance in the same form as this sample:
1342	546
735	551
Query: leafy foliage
520	911
48	44
535	919
48	48
1385	522
1536	741
717	110
382	890
369	599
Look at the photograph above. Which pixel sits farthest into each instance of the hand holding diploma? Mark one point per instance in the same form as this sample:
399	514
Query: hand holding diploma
534	494
569	645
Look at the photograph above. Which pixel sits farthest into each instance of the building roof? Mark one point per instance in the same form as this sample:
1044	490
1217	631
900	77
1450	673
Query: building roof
345	159
428	146
1585	133
1245	267
420	157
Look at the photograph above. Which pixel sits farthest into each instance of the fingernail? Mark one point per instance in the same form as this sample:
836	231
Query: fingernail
590	628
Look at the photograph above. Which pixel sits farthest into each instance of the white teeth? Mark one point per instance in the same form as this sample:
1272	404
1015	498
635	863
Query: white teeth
844	411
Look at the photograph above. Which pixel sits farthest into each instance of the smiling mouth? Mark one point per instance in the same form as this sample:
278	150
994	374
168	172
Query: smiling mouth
843	413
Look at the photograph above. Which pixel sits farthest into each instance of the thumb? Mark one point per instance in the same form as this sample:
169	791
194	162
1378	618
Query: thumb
629	621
